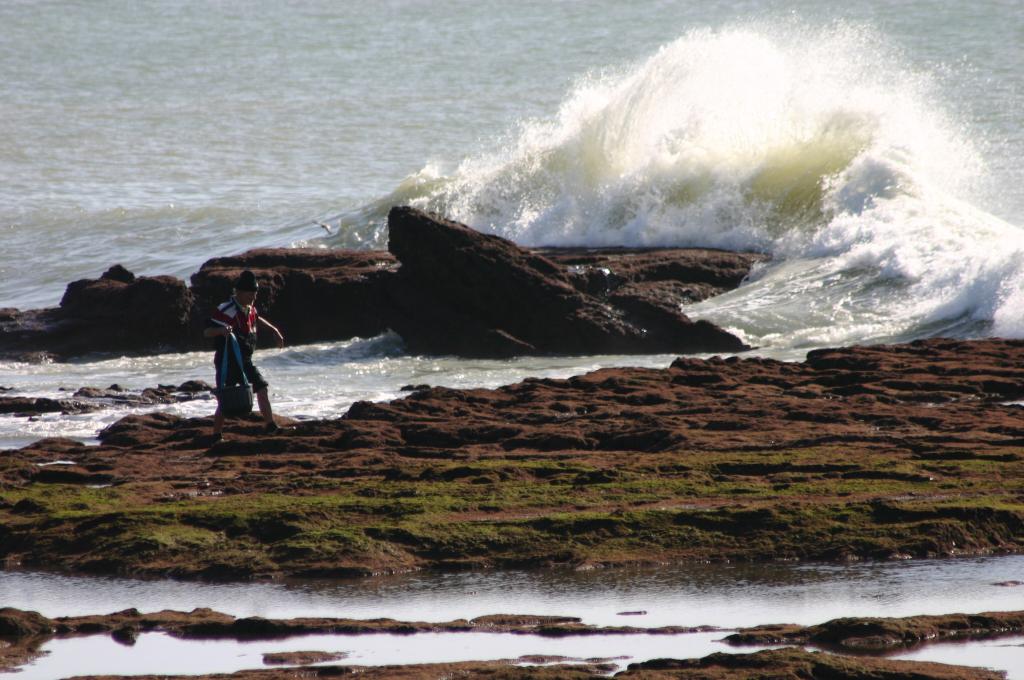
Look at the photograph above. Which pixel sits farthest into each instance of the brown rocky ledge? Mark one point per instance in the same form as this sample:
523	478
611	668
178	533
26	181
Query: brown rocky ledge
207	624
796	664
443	287
880	634
89	399
867	452
304	658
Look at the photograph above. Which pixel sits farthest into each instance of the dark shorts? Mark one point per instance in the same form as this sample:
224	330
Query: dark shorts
235	377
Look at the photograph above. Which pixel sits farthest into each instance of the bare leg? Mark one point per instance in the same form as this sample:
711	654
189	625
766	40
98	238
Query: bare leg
264	400
218	421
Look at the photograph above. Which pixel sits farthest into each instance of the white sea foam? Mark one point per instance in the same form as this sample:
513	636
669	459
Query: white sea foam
817	145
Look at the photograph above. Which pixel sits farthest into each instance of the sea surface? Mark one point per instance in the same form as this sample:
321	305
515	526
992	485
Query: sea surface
872	148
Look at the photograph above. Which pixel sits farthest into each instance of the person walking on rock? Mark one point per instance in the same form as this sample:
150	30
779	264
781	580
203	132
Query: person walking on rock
238	316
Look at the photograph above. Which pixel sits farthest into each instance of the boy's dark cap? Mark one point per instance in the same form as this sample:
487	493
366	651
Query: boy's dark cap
246	281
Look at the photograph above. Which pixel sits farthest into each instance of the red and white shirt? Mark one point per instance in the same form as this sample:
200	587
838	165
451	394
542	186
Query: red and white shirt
231	315
243	325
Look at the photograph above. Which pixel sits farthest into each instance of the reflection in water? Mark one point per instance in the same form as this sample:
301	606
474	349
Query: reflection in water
727	596
686	595
159	653
1000	654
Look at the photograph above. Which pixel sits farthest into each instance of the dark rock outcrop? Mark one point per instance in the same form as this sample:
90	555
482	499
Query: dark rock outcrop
304	658
89	399
451	290
311	295
15	623
34	406
881	634
798	664
462	292
693	274
114	313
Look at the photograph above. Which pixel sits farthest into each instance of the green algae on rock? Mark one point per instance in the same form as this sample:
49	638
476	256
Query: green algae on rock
879	452
876	634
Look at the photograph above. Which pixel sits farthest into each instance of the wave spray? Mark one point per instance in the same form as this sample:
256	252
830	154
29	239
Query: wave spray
816	145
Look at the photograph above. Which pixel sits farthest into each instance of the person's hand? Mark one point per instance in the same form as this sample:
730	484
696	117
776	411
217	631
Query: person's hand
280	339
226	332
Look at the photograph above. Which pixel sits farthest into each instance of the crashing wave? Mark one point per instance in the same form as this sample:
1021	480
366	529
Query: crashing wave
817	145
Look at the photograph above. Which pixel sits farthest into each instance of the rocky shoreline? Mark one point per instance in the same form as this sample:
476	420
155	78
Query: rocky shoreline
90	399
886	452
25	632
882	452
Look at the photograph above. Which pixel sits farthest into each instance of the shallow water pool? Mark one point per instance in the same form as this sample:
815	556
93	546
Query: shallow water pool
727	596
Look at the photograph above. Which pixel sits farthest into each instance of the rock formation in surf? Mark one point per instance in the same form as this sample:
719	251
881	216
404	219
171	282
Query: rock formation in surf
117	312
462	292
445	288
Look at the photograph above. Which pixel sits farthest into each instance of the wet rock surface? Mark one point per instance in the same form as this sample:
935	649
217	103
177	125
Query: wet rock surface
462	292
497	670
32	406
311	295
884	452
880	634
795	663
300	658
90	399
444	287
117	312
207	624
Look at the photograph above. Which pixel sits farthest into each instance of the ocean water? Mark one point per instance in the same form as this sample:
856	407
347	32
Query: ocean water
871	147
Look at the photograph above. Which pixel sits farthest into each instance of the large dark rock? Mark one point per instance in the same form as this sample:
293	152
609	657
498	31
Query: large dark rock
114	313
311	295
445	288
89	399
462	292
119	312
33	406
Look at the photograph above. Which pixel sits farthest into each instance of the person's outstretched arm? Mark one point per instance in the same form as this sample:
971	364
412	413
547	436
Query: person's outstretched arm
272	327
